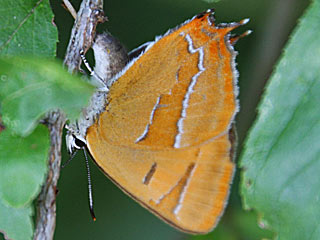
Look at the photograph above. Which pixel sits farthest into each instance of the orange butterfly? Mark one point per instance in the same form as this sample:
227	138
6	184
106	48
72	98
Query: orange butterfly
164	131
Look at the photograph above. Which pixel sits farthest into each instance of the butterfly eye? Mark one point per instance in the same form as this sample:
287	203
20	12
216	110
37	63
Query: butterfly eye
78	143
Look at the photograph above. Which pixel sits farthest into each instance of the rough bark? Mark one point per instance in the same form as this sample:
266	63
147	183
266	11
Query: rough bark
89	16
46	211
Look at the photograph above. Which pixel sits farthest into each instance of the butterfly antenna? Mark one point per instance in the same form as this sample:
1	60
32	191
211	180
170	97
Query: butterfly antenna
70	158
92	73
89	186
85	62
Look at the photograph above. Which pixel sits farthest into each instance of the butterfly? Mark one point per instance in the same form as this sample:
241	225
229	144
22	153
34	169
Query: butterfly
162	129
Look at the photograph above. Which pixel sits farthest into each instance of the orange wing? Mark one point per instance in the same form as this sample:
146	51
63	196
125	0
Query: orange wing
164	137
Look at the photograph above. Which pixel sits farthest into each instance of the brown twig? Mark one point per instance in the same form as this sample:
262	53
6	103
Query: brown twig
70	8
46	215
88	17
83	32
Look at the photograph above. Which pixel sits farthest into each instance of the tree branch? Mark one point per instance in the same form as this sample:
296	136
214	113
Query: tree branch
46	215
70	8
89	16
83	32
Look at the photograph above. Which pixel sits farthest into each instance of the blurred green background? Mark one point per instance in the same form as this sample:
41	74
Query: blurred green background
135	22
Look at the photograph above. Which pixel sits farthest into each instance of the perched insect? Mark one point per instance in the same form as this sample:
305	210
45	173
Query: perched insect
162	128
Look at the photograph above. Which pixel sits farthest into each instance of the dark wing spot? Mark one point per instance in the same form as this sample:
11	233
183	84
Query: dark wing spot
150	173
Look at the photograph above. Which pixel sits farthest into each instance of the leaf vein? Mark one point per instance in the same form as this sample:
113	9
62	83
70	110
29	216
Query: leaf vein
20	25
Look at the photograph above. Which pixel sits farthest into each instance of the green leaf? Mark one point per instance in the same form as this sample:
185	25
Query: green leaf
30	87
281	160
23	165
27	28
15	223
236	224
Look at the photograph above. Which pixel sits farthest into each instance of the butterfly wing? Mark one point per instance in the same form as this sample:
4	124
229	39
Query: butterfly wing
164	137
